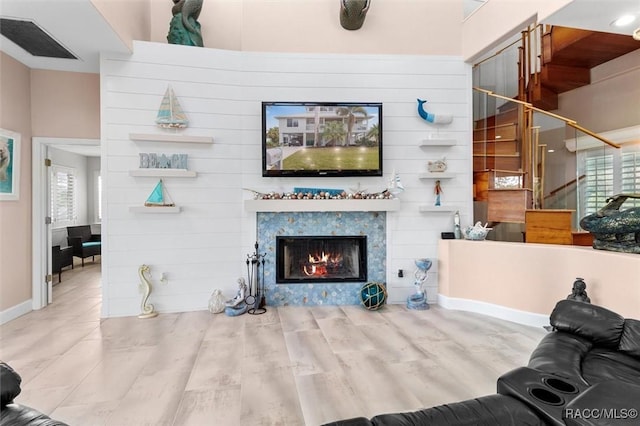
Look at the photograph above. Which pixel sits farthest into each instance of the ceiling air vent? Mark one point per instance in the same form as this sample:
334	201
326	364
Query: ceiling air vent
33	39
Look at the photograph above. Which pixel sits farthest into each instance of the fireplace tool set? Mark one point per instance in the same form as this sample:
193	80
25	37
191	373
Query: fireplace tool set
255	274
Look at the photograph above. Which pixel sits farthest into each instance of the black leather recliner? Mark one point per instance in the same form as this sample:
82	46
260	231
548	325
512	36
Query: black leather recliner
585	372
12	414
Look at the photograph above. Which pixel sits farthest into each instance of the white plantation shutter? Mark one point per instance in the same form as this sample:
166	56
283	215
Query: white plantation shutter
617	172
599	182
630	177
63	196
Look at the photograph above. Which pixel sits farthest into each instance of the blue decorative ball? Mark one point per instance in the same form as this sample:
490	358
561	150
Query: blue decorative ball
373	295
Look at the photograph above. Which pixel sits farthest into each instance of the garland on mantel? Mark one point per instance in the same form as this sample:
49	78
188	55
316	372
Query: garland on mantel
310	194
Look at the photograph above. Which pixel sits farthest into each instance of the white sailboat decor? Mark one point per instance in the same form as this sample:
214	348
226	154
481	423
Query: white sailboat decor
395	185
159	197
170	114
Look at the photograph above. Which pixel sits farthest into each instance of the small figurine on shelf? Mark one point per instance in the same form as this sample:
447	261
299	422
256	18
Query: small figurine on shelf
437	166
437	190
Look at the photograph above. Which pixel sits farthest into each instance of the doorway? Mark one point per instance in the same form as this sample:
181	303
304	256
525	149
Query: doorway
42	280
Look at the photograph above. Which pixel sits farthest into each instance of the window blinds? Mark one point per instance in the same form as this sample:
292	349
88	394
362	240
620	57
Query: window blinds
63	196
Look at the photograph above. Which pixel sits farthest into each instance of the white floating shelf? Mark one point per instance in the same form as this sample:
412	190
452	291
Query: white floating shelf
436	175
439	209
163	172
160	210
322	205
438	142
159	137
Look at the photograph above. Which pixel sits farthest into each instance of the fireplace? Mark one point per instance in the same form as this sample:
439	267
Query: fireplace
321	259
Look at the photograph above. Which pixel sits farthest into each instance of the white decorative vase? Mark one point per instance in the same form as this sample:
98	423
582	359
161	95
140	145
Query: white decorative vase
216	302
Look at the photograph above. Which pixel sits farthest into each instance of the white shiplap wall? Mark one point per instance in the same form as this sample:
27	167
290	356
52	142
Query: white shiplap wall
204	247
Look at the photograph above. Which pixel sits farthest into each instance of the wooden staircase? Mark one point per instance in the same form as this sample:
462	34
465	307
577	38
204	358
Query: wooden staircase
502	144
566	58
496	143
498	172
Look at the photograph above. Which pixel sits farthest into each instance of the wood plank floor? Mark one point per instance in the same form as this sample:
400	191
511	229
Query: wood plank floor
289	366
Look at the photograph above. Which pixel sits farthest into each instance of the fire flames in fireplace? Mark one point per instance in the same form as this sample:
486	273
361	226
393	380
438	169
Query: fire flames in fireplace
323	264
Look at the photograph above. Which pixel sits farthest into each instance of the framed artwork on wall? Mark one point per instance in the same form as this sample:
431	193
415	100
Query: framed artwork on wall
9	165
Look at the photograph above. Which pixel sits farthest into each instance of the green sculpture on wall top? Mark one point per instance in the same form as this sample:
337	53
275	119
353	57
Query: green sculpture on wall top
184	27
614	229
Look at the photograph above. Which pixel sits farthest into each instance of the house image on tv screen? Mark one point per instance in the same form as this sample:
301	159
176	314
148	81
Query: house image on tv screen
323	125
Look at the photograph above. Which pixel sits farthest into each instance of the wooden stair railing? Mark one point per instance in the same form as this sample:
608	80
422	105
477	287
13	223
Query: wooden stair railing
564	186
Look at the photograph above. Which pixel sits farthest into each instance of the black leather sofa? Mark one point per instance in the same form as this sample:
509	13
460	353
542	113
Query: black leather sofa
84	243
585	372
12	414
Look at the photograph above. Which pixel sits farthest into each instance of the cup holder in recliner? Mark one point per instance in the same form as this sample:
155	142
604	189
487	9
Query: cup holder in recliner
559	385
546	393
546	396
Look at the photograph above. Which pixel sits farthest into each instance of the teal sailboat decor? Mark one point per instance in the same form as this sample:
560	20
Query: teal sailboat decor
159	197
170	114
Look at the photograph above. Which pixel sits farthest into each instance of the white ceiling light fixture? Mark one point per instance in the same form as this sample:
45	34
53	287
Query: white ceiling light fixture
636	34
623	21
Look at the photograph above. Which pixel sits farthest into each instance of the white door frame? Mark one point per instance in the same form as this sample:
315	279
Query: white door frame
41	290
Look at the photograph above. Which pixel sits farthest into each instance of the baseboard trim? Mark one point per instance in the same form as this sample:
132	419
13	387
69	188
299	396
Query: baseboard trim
492	310
16	311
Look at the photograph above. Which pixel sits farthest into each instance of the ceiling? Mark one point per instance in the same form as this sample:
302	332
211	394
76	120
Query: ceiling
597	15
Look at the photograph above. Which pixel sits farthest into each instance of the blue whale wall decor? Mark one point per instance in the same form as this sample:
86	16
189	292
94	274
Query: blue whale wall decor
433	118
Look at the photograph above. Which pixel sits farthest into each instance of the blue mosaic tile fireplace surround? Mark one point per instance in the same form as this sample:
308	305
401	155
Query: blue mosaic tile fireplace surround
270	225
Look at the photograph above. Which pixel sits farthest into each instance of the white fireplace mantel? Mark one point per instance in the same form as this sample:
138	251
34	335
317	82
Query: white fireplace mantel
322	205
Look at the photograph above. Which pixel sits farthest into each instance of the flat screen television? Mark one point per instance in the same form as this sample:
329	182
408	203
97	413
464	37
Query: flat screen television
321	139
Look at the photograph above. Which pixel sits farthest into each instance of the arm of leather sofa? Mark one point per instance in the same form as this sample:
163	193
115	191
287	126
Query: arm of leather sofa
21	415
630	340
488	410
12	414
560	353
356	421
9	384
